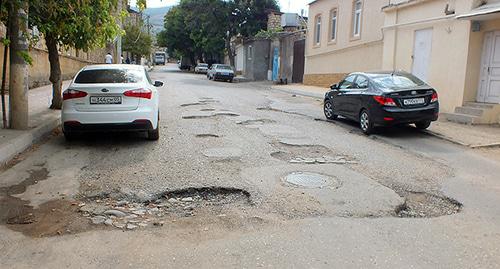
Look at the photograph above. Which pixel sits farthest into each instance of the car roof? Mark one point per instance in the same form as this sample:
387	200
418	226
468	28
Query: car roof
380	73
113	66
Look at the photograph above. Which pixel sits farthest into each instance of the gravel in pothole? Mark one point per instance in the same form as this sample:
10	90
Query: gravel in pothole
309	154
426	205
123	214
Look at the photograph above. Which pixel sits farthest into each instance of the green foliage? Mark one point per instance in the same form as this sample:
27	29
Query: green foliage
250	16
197	28
137	41
26	57
268	34
82	24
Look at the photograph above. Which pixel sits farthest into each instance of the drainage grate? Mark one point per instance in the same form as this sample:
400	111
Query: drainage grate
310	180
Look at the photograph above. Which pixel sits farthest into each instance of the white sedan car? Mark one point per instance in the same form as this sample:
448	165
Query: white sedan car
111	98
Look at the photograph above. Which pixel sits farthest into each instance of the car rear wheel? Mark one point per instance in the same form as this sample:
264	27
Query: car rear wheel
329	111
423	125
365	123
155	134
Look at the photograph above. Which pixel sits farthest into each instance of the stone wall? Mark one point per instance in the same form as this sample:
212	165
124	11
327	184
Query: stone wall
274	20
323	80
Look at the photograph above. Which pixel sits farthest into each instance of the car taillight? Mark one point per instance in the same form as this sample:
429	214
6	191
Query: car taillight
71	94
434	97
139	93
385	101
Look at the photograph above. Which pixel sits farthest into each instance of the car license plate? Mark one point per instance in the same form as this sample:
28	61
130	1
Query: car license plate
414	101
105	100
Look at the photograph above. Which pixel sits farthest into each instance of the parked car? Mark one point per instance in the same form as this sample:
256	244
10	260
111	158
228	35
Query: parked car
111	98
382	99
201	69
221	72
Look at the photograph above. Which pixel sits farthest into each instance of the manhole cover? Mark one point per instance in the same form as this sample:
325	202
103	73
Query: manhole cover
310	180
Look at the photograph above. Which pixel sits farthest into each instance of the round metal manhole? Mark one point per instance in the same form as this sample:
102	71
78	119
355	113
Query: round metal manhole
311	180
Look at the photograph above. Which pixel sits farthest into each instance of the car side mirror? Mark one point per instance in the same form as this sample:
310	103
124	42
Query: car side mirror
334	87
158	83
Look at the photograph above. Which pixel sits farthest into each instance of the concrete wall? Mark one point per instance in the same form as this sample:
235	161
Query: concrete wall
456	51
257	59
329	61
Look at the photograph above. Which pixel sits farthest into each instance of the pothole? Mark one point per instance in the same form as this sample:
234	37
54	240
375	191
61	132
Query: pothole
256	122
426	205
210	115
192	104
311	180
207	136
207	109
123	214
309	154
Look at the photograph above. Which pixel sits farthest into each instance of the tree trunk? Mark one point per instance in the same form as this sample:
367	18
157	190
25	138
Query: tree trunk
18	70
4	77
55	72
230	52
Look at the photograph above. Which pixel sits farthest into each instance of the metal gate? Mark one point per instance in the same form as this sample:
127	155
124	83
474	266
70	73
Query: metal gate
298	60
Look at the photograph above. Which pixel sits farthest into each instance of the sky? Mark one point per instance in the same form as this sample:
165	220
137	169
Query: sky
286	5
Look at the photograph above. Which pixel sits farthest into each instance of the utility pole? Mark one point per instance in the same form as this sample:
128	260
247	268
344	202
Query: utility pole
18	71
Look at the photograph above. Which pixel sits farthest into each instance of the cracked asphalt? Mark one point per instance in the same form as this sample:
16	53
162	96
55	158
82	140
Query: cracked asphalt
212	192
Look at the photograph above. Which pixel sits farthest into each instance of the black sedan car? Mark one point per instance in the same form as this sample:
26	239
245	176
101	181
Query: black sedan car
382	99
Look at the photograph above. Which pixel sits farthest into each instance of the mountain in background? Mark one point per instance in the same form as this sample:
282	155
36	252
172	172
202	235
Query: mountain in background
156	16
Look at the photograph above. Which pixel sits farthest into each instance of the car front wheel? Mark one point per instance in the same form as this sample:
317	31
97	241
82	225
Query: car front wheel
423	125
329	111
365	123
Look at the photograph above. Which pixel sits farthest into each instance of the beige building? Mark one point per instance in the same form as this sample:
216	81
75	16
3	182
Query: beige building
343	36
454	45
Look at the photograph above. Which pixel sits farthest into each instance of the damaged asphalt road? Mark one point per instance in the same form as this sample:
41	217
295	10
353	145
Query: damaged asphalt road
243	176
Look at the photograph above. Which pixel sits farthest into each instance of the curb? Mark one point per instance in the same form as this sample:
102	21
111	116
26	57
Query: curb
302	93
26	139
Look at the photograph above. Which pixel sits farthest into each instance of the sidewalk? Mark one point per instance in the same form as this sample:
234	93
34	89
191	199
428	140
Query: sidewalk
42	121
474	136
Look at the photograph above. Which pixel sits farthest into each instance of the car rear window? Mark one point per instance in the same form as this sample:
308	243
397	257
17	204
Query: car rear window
109	76
397	81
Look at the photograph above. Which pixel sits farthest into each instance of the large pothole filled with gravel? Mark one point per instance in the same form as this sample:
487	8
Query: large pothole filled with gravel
130	215
426	205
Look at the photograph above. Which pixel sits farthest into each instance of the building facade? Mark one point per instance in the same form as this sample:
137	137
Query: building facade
454	45
343	36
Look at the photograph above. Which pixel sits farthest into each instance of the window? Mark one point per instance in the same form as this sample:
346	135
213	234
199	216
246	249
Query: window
361	82
317	30
109	76
250	52
333	25
397	81
348	82
356	23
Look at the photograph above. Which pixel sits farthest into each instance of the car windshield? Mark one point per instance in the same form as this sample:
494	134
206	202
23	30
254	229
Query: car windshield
203	65
224	67
397	81
109	76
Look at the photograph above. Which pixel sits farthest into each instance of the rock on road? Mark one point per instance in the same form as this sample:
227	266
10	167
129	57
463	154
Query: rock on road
244	177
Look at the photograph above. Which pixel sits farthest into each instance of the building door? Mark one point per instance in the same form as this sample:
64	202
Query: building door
276	64
298	61
489	81
422	53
